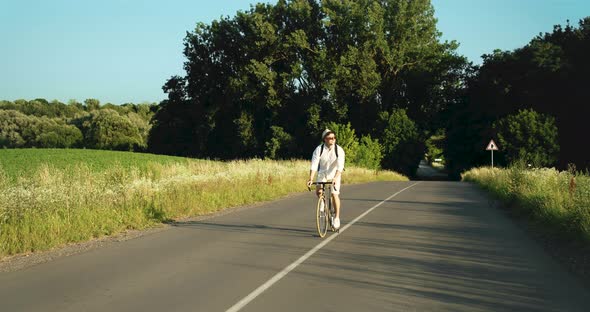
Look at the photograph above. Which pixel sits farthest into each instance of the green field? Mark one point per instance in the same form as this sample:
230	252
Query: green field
25	162
51	197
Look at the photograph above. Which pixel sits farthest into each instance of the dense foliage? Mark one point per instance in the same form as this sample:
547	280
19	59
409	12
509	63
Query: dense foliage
548	75
43	124
264	82
528	136
364	152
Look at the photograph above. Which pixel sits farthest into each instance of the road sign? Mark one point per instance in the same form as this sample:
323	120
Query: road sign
492	146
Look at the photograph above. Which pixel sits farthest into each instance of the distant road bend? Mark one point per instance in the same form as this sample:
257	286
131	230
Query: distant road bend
404	246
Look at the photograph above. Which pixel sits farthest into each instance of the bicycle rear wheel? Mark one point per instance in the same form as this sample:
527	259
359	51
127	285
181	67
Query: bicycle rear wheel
322	217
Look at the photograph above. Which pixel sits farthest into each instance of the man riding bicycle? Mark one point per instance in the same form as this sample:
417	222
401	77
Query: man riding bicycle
328	161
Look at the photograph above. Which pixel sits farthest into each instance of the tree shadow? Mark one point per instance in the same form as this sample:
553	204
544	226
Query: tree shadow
265	229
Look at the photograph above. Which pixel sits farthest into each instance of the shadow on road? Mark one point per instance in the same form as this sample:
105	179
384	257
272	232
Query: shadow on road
246	228
454	254
426	172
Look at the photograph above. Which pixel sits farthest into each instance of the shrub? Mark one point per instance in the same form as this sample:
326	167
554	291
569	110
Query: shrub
366	153
370	153
346	138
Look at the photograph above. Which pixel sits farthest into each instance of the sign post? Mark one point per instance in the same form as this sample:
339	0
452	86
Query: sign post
492	147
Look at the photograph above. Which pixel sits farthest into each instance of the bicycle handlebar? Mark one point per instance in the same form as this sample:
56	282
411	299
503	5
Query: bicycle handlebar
320	183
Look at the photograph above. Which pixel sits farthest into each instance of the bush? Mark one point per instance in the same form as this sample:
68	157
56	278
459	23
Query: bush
366	153
346	138
370	153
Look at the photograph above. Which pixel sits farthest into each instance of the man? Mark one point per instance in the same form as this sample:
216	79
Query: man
328	161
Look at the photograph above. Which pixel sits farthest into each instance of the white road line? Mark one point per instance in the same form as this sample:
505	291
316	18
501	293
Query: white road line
242	303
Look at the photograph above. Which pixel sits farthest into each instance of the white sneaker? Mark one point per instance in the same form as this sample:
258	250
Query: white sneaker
322	206
336	223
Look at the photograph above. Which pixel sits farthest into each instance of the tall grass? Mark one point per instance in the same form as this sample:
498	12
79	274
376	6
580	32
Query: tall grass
55	203
558	200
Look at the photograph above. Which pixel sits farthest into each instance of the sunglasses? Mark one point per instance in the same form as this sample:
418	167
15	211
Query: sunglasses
330	138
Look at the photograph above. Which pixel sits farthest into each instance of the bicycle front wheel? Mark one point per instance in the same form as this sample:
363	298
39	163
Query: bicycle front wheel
322	217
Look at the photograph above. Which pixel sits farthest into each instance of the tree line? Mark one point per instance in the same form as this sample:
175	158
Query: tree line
267	81
534	99
43	124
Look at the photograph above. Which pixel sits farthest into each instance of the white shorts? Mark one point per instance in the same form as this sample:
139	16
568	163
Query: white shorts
335	185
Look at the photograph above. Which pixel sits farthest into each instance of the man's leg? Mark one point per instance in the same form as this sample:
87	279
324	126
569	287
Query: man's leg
336	201
336	196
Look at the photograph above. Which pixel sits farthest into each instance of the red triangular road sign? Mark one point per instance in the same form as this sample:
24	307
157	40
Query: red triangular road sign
492	146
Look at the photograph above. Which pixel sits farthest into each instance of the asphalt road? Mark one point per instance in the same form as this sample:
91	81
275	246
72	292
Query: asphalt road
427	172
437	246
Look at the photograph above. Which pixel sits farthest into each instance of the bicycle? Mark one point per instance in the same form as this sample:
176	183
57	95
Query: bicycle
325	216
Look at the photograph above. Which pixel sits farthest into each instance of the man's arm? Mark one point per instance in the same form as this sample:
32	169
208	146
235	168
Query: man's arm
311	175
315	161
340	161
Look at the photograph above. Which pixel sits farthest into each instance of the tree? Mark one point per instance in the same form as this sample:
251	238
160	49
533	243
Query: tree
528	136
548	75
12	123
298	64
20	130
403	147
279	142
106	129
39	123
92	104
434	146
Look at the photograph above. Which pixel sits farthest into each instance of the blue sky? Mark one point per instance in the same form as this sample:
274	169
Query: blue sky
124	50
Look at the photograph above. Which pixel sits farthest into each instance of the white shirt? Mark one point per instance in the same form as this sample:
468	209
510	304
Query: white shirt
328	162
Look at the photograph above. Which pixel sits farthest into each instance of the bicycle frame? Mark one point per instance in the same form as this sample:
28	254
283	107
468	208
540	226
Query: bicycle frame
326	193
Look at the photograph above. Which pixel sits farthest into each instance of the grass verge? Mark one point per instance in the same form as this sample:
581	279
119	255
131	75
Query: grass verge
558	200
553	205
66	199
